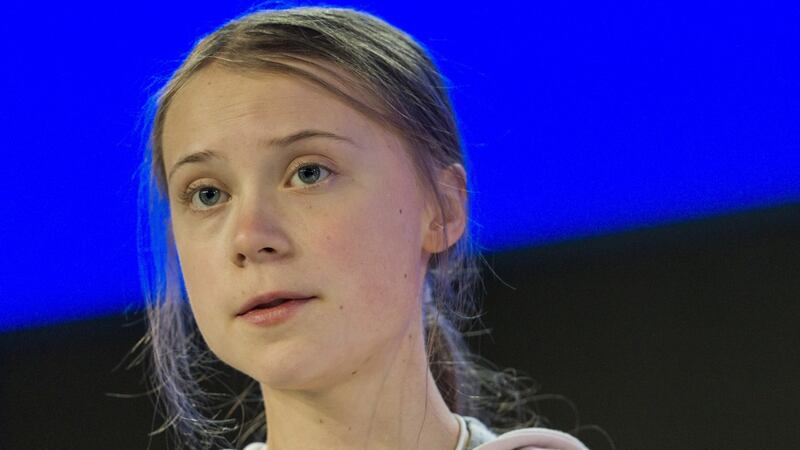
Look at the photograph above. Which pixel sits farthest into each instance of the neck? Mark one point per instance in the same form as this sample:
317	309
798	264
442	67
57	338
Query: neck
390	403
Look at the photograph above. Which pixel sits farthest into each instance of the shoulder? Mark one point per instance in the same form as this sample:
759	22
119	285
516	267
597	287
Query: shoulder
533	438
252	446
256	446
522	439
481	438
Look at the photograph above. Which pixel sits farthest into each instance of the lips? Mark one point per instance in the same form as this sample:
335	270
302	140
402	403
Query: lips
271	299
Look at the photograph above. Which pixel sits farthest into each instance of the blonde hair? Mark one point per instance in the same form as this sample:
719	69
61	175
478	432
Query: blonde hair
393	68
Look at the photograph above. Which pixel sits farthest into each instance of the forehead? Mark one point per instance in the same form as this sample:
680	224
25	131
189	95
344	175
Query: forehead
216	95
217	101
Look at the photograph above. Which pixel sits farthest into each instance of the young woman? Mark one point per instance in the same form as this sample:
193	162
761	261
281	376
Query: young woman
307	204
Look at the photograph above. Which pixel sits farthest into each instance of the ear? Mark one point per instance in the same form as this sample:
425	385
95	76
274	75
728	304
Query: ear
452	182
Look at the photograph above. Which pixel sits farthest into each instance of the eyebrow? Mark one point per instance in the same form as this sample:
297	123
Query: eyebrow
285	141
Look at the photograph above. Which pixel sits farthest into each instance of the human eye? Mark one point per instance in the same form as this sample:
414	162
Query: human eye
201	197
310	174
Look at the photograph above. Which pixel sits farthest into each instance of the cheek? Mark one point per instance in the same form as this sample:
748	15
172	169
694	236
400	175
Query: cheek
373	244
191	254
201	282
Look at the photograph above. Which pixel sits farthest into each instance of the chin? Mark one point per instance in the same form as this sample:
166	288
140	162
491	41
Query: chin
280	375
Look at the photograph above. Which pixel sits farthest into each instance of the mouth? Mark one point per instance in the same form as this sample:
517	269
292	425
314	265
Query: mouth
271	300
276	302
274	312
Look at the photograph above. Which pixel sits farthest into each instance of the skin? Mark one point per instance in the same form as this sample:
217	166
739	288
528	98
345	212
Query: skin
349	370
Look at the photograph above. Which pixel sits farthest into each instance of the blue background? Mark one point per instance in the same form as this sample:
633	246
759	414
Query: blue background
578	120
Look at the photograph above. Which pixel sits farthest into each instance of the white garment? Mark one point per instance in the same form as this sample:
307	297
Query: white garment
463	435
474	435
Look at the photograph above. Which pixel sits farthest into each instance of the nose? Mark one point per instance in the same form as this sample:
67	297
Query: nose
258	236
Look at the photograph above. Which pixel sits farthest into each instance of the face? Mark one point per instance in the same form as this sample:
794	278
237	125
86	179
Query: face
335	213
